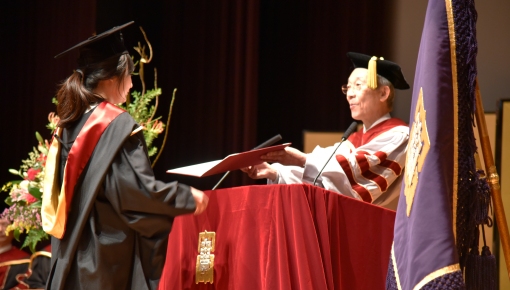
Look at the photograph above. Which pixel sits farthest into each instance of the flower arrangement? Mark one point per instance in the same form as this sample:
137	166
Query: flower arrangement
24	198
25	194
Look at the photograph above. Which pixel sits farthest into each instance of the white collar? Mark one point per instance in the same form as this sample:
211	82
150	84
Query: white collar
91	106
382	119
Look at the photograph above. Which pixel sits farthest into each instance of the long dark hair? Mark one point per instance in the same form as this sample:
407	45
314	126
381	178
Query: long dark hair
76	93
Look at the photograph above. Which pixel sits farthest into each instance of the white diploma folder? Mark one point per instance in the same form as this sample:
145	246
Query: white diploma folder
229	163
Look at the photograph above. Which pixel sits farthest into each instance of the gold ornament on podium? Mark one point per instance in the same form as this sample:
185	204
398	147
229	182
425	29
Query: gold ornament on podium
205	260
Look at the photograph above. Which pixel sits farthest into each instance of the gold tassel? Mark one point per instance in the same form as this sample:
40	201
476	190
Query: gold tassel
372	72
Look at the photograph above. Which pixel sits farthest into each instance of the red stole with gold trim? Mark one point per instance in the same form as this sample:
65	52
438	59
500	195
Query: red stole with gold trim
359	138
56	201
14	256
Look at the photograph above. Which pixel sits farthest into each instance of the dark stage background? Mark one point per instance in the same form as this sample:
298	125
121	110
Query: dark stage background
245	70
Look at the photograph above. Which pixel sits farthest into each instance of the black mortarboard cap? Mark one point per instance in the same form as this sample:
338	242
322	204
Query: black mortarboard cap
385	68
100	47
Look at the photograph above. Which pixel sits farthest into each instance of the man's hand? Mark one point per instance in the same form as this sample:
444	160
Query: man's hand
287	156
263	170
201	200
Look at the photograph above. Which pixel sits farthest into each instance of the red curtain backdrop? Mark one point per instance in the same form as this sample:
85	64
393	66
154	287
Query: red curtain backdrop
210	55
283	237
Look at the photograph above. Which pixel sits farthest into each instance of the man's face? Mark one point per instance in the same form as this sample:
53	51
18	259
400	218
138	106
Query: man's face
366	105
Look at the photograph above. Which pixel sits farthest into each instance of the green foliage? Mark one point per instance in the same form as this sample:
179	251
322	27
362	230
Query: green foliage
142	110
33	238
35	192
140	107
31	162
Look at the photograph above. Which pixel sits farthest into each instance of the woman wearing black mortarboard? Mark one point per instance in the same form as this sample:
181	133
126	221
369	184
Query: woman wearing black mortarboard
108	215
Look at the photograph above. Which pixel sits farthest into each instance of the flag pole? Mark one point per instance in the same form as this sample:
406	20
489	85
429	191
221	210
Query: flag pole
493	178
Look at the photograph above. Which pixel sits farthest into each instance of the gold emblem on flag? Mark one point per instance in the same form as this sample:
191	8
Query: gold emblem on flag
417	149
205	260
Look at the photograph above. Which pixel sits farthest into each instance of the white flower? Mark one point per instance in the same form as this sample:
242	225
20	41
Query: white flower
24	184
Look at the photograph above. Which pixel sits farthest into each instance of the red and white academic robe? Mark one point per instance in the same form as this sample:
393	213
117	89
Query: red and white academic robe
12	262
364	167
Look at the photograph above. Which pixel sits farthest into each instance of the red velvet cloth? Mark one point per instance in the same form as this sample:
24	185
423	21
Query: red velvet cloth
283	237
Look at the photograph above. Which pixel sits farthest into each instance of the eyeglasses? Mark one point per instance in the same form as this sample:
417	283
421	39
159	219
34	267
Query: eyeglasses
355	87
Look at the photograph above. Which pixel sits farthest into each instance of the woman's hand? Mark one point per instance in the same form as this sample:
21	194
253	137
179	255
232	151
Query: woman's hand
263	170
201	200
287	156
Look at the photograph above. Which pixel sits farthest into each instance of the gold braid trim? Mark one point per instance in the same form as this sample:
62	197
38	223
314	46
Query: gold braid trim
38	254
438	273
453	57
14	262
395	269
22	277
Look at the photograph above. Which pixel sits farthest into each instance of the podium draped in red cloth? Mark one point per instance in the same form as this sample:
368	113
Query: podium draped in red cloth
283	237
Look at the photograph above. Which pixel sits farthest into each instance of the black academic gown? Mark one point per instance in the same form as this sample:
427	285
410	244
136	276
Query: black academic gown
120	218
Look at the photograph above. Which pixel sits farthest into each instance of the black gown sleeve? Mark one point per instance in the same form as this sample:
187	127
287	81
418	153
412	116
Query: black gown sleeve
147	205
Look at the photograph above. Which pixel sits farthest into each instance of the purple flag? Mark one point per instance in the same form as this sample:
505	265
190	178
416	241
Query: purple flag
430	233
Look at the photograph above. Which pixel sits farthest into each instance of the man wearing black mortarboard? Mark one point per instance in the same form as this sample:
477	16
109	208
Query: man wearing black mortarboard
369	164
108	216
